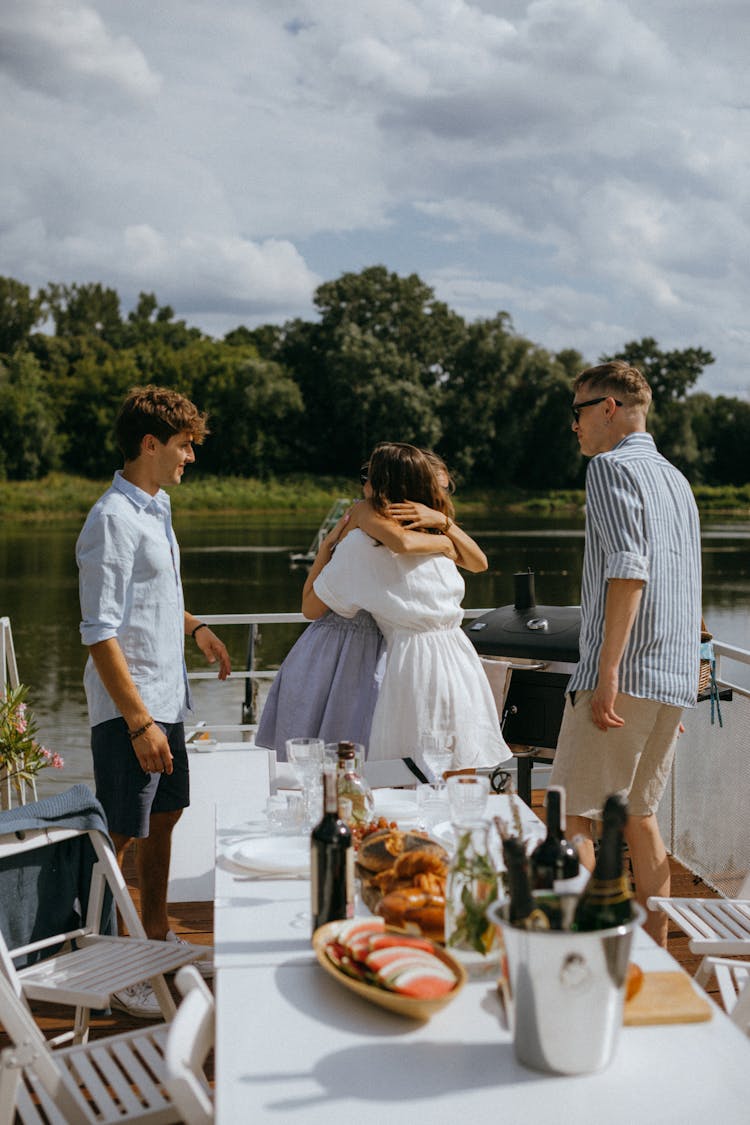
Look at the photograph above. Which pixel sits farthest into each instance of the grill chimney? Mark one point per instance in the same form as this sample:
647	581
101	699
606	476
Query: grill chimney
524	593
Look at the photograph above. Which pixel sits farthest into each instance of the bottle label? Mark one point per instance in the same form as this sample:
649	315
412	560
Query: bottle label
331	883
608	892
566	886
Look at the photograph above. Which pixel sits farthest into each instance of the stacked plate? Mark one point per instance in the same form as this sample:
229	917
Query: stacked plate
274	855
396	804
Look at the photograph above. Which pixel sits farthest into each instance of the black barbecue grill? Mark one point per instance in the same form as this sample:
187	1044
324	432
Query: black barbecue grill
541	644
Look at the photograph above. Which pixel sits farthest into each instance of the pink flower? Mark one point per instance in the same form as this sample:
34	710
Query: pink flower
21	725
46	754
57	762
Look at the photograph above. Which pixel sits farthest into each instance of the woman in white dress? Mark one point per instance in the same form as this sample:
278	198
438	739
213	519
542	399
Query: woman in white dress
433	678
328	684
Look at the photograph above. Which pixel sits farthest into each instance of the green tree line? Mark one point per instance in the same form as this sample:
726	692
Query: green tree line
384	360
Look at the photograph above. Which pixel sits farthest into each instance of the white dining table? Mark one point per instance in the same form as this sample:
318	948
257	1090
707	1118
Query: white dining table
292	1045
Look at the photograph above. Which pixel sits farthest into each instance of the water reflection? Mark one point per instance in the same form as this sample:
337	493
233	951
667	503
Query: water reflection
240	564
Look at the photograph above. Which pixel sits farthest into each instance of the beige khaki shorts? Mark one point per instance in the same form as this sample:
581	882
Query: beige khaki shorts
633	760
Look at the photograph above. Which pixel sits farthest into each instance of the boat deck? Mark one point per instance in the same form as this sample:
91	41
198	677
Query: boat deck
194	922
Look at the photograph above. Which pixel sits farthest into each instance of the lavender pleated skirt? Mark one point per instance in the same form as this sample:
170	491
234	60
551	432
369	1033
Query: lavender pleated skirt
327	686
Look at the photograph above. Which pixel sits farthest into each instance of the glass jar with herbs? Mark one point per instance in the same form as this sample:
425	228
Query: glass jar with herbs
471	888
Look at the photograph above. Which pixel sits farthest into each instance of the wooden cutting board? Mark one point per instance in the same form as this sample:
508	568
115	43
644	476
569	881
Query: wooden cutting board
666	998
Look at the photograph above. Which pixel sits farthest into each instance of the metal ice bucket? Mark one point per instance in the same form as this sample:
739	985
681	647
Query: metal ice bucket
568	991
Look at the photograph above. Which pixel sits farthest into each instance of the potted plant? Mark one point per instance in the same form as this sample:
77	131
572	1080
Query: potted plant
21	756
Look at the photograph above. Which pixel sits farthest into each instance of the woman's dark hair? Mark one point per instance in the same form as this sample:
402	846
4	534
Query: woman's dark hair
399	472
158	411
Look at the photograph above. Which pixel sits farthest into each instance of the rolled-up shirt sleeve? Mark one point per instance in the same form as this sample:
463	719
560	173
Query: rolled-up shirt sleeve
615	509
104	555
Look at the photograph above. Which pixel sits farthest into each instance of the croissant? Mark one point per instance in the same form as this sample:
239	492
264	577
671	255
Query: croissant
421	862
421	868
409	908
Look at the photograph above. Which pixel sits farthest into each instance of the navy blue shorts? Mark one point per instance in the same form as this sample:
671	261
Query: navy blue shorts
128	794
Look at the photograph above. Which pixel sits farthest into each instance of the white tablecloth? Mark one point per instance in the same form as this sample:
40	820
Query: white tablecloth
294	1046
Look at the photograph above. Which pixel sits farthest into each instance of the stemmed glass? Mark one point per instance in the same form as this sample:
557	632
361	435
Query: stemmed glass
436	748
306	758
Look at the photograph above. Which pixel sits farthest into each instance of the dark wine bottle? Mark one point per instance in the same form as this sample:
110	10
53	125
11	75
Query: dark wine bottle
606	900
523	910
554	862
331	861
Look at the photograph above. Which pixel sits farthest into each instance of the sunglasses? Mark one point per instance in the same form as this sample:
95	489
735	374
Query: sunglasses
577	407
364	474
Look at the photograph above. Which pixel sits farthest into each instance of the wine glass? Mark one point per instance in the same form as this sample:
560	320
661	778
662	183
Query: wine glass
436	749
306	758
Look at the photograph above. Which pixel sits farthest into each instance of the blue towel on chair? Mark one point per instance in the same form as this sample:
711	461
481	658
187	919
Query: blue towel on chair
45	891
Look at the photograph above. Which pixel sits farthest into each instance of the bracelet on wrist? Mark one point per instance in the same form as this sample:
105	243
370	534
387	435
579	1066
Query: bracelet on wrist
133	734
200	625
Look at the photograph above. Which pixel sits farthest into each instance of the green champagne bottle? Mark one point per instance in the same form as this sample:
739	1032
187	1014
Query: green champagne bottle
606	900
523	912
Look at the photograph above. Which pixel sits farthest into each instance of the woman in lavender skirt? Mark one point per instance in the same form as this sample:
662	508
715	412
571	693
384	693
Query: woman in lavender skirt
328	685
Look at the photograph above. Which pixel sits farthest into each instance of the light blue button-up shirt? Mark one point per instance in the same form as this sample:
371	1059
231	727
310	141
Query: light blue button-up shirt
130	589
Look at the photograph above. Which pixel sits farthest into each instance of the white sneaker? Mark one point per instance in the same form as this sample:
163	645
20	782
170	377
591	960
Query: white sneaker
206	964
139	1000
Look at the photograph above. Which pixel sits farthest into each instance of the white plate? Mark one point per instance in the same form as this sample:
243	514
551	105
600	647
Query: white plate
275	855
444	833
401	809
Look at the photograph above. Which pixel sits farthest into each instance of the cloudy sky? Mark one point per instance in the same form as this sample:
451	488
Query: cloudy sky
580	164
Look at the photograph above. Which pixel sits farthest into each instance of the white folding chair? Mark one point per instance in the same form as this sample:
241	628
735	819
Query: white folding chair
733	979
89	965
715	927
191	1037
114	1079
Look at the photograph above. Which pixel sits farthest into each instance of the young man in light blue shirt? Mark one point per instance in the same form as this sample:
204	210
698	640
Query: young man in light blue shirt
134	623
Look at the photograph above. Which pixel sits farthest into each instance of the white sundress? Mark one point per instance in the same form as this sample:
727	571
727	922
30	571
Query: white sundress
433	678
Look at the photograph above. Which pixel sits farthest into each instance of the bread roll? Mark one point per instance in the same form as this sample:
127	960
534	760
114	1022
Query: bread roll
411	909
381	849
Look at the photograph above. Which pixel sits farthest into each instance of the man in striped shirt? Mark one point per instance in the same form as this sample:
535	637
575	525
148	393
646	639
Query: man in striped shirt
640	625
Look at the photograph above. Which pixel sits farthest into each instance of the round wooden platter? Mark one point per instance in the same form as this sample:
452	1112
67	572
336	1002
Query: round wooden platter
406	1006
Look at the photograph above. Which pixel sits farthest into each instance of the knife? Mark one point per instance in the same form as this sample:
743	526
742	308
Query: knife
412	765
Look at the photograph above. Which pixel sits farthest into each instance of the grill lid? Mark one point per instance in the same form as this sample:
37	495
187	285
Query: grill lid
526	630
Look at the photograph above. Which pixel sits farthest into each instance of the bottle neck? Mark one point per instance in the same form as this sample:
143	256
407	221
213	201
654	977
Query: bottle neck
330	794
608	867
555	814
519	886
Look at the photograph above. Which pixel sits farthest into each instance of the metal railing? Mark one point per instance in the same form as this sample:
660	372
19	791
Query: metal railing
703	816
8	666
251	675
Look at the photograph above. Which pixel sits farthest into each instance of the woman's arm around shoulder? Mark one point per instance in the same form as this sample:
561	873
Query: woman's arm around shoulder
467	552
312	606
401	540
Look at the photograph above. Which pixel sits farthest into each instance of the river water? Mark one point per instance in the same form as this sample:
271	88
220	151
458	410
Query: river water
240	564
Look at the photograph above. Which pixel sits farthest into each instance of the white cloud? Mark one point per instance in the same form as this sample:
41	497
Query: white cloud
58	47
199	271
580	163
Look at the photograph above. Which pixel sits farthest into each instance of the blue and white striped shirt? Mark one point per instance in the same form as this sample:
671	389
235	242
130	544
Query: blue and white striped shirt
642	522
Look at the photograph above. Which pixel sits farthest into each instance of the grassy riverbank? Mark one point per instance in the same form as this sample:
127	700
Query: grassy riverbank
60	495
